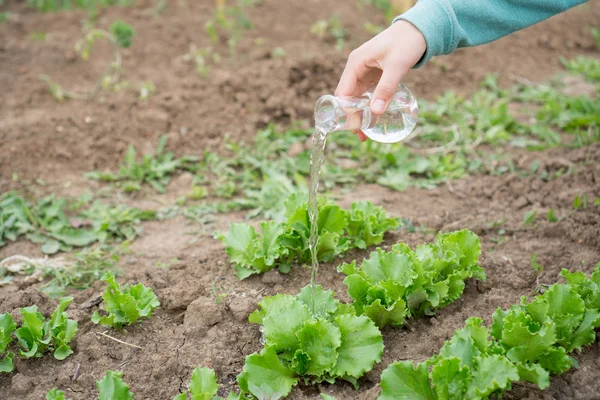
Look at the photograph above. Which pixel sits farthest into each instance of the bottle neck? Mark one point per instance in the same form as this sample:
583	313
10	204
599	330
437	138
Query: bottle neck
342	113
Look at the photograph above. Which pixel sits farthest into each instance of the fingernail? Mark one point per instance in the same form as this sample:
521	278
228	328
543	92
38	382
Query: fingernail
378	106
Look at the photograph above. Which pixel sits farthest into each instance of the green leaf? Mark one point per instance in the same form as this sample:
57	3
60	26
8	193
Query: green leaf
361	347
51	247
493	372
112	387
585	333
6	364
282	317
203	384
535	374
7	327
393	315
450	379
556	360
55	394
577	202
265	377
122	33
529	217
551	216
327	397
567	309
403	381
62	352
319	340
125	306
526	339
319	302
75	237
534	265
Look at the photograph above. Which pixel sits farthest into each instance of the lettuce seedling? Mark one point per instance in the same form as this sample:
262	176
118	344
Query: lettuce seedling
392	286
36	335
203	386
55	394
7	327
125	306
281	244
527	342
309	337
112	387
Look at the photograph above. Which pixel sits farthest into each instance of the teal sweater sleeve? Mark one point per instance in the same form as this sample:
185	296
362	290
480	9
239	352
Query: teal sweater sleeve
449	24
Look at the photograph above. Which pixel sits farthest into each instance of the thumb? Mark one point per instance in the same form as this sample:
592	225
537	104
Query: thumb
386	89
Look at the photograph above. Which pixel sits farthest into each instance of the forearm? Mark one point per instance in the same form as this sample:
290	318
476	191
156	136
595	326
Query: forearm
449	24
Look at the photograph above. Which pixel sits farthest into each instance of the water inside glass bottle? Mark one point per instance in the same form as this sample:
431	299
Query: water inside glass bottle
353	113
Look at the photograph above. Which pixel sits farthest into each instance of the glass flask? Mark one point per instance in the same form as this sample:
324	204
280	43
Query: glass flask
354	113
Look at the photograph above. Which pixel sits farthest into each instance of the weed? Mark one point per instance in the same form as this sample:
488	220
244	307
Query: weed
551	216
87	268
529	217
155	170
50	224
231	21
331	29
535	266
119	34
203	59
218	293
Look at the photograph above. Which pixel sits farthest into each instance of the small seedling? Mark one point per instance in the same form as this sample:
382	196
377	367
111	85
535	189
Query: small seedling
231	21
331	29
55	394
37	336
112	387
551	215
580	202
217	293
529	217
203	58
119	34
126	305
155	170
535	266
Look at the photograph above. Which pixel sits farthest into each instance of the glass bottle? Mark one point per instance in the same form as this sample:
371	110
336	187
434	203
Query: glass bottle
354	113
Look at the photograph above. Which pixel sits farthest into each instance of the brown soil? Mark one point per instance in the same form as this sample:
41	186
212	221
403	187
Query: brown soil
41	138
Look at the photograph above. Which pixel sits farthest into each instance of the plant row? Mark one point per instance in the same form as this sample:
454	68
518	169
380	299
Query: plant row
51	224
527	342
37	336
392	286
281	244
313	338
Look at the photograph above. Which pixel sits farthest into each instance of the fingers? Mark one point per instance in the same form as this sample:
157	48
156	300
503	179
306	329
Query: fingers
353	72
387	86
361	135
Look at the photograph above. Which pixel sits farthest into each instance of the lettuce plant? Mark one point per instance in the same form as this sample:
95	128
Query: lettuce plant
392	286
125	306
7	327
527	342
310	337
36	335
281	244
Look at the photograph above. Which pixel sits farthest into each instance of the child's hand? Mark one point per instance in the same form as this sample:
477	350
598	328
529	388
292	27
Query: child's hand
385	59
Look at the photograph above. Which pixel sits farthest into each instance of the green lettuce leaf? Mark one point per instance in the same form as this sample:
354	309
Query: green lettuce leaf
403	381
112	387
265	377
125	306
